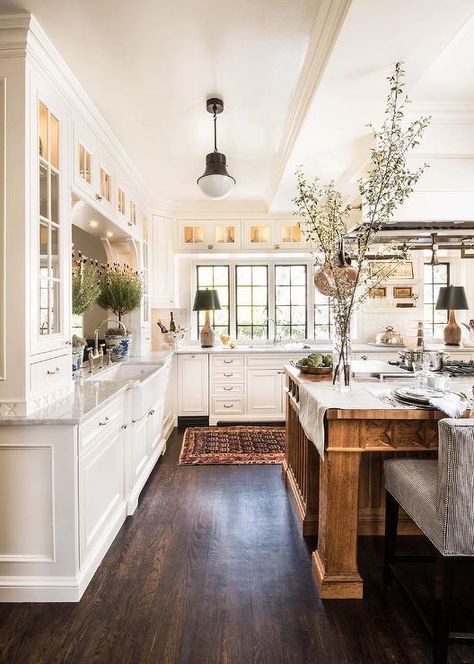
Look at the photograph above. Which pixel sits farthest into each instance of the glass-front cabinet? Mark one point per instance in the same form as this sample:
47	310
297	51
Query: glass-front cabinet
50	219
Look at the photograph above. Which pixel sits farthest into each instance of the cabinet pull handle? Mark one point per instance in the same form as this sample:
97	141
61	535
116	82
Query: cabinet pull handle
124	426
228	389
52	373
152	412
228	405
104	422
228	361
363	357
280	372
228	375
98	197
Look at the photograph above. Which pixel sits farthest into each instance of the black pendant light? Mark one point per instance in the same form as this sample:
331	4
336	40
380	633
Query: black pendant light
215	182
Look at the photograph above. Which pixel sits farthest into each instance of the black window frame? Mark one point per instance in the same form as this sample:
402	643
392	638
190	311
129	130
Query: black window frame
297	325
212	313
252	326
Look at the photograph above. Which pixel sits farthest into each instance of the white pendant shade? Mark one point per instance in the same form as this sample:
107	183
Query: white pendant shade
216	186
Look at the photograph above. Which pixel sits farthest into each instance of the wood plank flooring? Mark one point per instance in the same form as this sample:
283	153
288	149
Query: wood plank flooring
211	570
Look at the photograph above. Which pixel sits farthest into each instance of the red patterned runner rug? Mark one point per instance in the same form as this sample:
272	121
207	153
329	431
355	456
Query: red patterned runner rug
232	445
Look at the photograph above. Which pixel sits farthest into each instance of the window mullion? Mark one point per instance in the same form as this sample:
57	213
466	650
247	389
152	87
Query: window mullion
271	295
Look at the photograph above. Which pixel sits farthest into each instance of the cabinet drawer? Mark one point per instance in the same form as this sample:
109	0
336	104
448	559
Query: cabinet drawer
228	389
227	375
101	423
225	362
231	406
50	374
270	361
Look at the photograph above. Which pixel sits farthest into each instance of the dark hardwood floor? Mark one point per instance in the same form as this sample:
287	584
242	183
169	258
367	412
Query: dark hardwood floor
211	570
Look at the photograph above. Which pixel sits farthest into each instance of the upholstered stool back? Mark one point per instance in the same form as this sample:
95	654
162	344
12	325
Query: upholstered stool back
455	490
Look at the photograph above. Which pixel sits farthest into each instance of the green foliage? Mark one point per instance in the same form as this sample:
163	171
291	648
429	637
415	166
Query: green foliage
387	184
85	287
121	290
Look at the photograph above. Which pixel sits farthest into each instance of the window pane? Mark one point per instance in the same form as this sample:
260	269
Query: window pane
252	301
435	276
215	276
290	301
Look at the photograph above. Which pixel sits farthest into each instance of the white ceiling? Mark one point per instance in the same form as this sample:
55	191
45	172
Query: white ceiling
335	141
150	65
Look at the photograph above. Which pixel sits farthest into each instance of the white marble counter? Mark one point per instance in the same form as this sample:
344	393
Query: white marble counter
87	396
312	347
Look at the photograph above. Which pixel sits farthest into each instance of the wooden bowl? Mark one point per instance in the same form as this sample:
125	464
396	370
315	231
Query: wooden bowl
316	371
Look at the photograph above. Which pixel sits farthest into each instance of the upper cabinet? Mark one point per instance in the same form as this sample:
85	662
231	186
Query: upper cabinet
234	235
162	265
50	221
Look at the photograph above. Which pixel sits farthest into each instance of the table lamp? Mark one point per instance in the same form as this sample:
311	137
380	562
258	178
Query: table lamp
452	298
207	300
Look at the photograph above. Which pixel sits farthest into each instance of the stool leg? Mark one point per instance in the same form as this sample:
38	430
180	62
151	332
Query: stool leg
443	591
390	544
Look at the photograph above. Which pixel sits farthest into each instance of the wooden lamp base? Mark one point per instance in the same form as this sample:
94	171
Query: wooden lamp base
452	331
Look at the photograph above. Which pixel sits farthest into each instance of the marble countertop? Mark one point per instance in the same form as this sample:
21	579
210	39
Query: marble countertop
83	400
311	347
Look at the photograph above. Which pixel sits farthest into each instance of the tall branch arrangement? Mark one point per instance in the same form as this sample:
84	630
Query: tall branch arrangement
387	184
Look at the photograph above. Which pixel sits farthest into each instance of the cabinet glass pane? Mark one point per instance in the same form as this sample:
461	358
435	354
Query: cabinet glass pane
54	142
43	245
260	234
105	185
54	307
225	235
43	131
43	191
54	216
193	234
85	164
290	234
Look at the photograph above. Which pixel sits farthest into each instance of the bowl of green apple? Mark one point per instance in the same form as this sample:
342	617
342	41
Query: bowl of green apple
315	363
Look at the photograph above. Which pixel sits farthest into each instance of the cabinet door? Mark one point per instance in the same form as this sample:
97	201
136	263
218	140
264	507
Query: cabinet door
264	392
155	426
163	264
288	235
50	223
140	446
193	398
85	161
194	235
259	234
225	235
101	491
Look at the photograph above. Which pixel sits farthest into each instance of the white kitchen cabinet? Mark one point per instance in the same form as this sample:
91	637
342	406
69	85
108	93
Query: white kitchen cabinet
258	235
101	490
163	281
193	385
264	392
85	162
288	235
194	235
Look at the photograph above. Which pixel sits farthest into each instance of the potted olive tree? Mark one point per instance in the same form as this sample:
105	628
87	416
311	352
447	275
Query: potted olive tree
85	292
121	291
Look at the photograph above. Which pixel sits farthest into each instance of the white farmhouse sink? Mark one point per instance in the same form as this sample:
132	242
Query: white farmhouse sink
148	382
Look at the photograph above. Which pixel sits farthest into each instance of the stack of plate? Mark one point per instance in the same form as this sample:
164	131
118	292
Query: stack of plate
417	396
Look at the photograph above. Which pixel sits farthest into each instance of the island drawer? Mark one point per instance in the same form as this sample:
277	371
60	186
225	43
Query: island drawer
231	406
103	421
226	362
272	361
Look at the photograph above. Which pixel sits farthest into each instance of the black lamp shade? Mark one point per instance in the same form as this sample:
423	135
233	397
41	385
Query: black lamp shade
206	300
452	298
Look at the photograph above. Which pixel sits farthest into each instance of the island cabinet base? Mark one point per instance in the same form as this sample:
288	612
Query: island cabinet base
341	497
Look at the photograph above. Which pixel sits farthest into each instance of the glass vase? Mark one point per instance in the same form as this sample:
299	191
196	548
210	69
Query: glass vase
342	358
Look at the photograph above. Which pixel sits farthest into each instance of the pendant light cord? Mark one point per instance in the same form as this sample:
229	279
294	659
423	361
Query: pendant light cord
215	128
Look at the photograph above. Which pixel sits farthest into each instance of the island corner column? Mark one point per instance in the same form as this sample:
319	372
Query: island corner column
334	562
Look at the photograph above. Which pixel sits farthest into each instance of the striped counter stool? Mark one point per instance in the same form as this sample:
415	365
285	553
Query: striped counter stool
439	497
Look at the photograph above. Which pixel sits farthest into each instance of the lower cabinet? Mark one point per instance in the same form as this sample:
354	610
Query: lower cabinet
265	392
193	385
101	492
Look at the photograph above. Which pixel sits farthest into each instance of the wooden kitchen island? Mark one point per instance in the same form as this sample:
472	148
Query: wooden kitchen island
342	496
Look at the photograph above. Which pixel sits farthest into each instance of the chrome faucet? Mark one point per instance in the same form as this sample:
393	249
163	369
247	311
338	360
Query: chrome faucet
97	353
276	339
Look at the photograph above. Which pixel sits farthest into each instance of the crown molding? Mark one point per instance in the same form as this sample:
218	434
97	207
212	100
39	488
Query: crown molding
22	36
192	208
328	22
14	35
